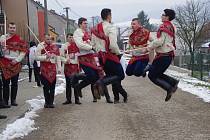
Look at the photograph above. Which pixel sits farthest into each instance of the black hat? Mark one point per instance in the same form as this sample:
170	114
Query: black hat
170	13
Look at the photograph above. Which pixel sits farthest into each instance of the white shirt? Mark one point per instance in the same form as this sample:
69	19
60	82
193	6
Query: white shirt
32	54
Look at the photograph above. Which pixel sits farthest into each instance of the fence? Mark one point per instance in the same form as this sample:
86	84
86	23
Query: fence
201	67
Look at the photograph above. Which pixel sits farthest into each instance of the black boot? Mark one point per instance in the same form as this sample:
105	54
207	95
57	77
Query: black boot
173	82
75	78
2	103
116	93
102	83
68	94
108	100
6	90
76	96
46	97
13	95
3	117
79	86
124	94
166	86
52	96
93	93
98	89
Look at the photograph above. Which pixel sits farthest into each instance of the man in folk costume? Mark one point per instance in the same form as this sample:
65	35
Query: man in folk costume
14	52
104	39
88	59
164	47
69	52
139	38
49	57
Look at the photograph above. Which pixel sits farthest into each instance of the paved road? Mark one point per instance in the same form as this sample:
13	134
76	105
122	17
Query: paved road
145	117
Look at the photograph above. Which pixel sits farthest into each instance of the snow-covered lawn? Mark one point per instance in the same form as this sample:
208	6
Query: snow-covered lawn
192	85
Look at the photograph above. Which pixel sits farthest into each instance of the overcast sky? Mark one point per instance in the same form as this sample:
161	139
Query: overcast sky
121	10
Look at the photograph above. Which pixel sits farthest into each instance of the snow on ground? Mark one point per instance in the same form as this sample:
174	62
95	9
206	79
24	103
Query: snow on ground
192	85
23	126
187	83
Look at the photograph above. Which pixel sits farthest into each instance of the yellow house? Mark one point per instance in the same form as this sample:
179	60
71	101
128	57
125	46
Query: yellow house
52	32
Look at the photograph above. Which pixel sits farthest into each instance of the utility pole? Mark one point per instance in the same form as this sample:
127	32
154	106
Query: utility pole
67	17
45	17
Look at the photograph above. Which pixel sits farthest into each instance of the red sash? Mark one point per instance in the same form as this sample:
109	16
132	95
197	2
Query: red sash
139	37
168	28
90	60
9	70
48	69
14	43
136	58
98	31
70	69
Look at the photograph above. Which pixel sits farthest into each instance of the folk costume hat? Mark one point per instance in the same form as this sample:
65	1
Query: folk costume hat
170	13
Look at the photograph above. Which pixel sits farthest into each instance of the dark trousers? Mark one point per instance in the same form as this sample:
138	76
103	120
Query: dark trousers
49	90
156	73
6	88
36	74
136	68
90	78
1	94
69	89
112	68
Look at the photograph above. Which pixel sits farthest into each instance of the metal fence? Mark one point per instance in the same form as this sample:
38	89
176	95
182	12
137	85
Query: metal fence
201	67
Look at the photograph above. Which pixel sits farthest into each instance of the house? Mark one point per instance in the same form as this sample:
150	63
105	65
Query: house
30	12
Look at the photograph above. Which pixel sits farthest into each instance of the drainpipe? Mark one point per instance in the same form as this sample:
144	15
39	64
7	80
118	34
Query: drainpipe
29	36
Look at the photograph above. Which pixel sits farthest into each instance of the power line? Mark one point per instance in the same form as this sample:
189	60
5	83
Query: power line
59	3
75	13
62	6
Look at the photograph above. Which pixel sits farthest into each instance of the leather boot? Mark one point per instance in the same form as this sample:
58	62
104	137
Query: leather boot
122	91
166	86
108	100
6	91
68	94
93	93
2	103
75	78
76	96
173	82
46	96
102	83
13	95
116	93
79	86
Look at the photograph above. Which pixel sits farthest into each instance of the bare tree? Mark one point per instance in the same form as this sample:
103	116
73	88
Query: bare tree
191	19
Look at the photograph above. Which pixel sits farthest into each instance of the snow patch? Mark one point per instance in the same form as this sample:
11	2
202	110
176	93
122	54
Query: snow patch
192	85
23	126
